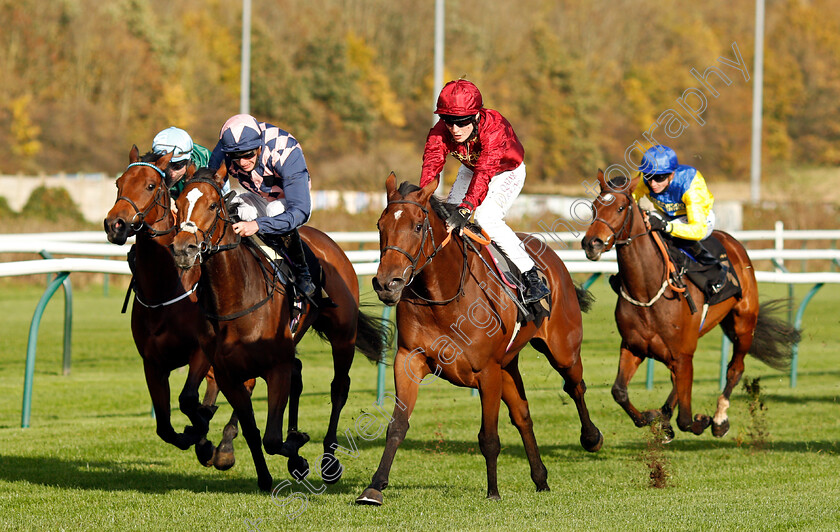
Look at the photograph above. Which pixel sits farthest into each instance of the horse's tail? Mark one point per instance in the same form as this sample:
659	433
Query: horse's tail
774	338
585	298
373	336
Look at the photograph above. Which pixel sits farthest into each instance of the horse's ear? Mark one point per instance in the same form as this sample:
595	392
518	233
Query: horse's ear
134	154
163	162
602	180
428	190
391	184
220	176
634	183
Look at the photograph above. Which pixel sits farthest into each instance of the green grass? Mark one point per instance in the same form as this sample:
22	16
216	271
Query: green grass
91	459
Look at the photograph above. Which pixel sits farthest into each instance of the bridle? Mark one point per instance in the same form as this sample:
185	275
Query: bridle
206	247
427	234
160	199
615	238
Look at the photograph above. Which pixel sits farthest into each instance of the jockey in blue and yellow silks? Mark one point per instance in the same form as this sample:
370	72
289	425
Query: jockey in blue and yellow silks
683	205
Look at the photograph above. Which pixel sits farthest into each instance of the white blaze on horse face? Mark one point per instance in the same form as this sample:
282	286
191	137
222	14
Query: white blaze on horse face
607	198
192	196
397	215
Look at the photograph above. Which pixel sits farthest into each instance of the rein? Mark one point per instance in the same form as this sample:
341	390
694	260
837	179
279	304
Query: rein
427	232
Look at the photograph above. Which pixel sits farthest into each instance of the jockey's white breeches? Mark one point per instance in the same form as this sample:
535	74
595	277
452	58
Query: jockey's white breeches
502	191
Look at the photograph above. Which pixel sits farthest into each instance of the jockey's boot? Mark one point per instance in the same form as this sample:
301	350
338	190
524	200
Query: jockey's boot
535	288
705	257
297	259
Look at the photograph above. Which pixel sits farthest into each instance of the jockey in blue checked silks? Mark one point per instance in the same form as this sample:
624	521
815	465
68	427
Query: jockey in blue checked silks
268	162
683	206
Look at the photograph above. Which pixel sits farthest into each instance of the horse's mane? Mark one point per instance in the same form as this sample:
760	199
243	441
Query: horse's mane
618	182
439	207
150	157
203	173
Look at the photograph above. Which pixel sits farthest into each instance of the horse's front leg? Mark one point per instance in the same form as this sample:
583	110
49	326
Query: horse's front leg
682	374
240	399
409	370
198	414
157	380
224	458
628	363
490	390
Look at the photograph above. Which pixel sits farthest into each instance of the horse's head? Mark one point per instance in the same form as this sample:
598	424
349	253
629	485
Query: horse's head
142	196
406	240
615	216
203	222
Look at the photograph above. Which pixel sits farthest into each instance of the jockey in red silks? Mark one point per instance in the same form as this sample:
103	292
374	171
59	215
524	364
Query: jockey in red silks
268	162
491	175
683	206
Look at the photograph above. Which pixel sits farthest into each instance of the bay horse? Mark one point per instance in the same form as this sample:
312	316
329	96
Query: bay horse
655	322
453	321
249	311
166	322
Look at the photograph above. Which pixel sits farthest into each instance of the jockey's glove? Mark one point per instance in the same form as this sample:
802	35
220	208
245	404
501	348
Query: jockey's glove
658	223
459	218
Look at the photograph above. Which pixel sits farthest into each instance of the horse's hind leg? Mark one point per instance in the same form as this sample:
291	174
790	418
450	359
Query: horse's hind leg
740	331
343	354
223	458
590	437
295	439
408	372
513	394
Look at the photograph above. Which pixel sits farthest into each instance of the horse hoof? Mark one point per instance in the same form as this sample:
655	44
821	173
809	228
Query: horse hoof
719	431
370	497
223	460
205	451
331	469
668	433
494	497
294	441
298	467
592	446
544	487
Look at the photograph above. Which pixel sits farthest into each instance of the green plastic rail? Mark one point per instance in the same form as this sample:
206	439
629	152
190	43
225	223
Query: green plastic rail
60	279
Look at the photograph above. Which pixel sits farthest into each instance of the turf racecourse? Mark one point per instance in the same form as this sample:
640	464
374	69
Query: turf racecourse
91	460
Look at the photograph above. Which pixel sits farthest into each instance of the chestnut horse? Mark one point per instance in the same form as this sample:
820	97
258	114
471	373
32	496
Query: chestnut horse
166	322
656	322
453	321
250	313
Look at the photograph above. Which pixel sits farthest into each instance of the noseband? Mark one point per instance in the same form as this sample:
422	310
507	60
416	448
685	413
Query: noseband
139	219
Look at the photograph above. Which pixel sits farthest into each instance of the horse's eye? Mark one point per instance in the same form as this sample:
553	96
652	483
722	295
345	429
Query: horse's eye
622	208
213	206
418	227
150	186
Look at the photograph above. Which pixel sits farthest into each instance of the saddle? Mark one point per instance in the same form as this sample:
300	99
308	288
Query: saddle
700	274
510	277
